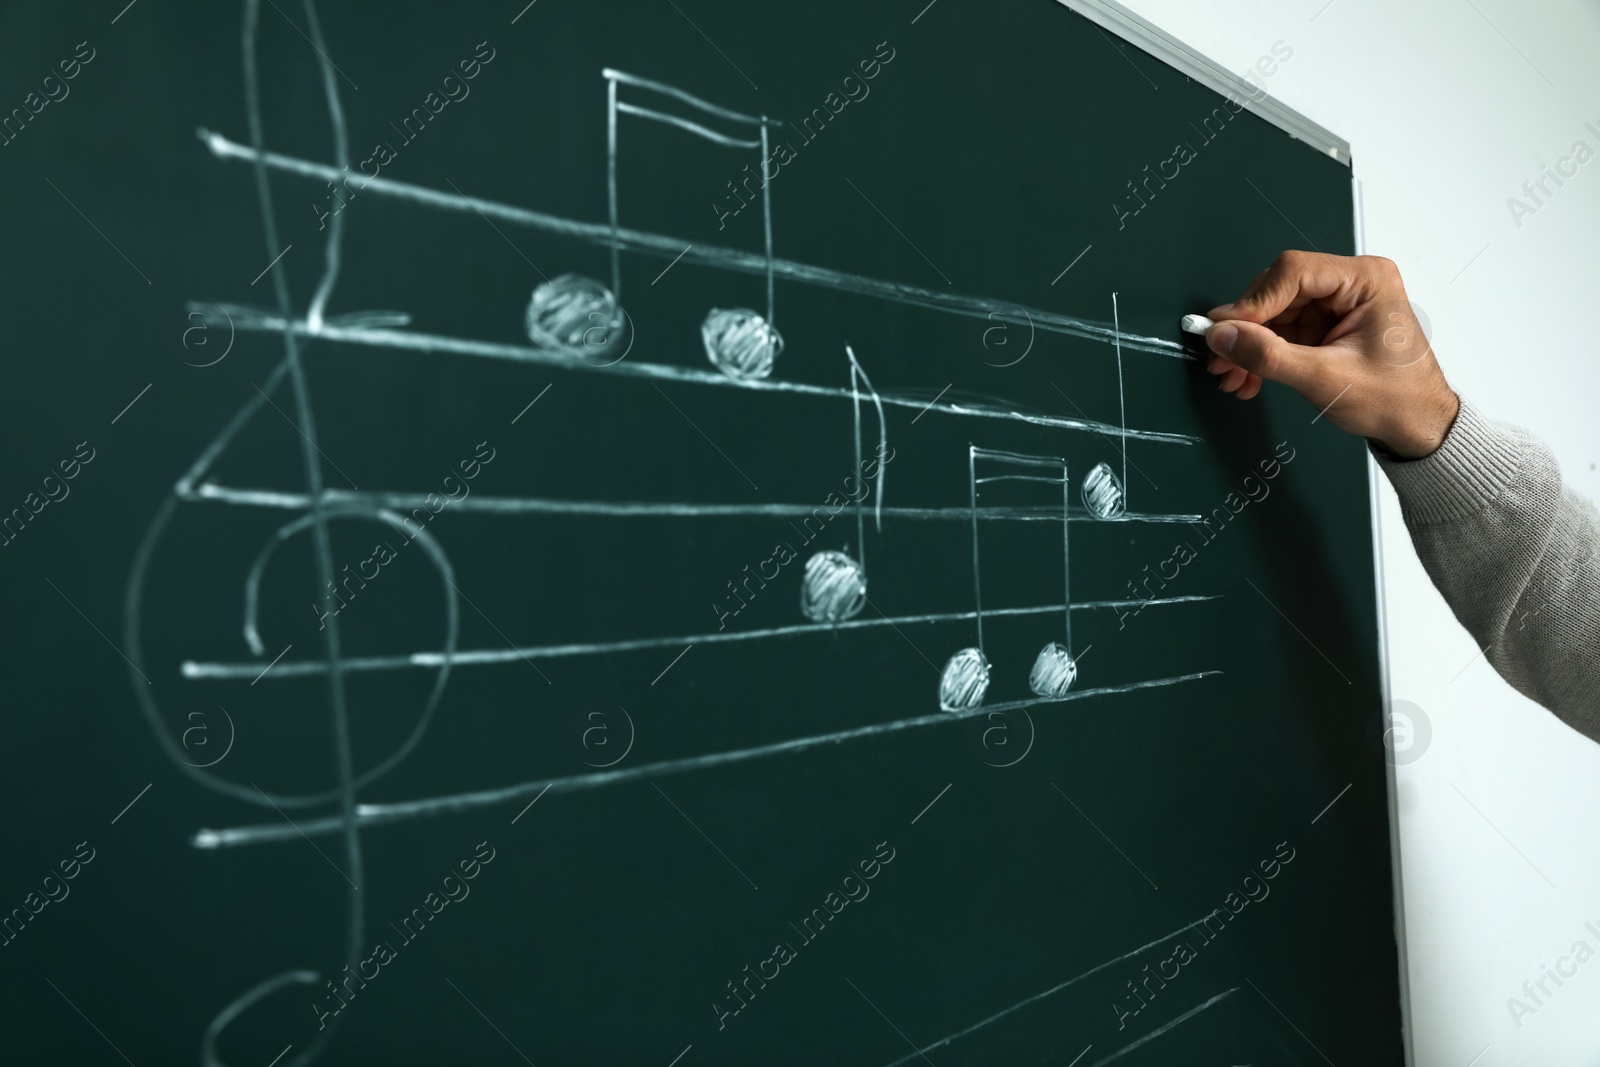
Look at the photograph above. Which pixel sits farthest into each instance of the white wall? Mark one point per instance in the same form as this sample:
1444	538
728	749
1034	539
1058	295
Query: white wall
1500	818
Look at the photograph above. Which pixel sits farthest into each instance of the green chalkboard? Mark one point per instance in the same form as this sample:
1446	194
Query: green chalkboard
668	532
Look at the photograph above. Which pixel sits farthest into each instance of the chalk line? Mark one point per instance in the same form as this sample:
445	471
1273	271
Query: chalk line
380	814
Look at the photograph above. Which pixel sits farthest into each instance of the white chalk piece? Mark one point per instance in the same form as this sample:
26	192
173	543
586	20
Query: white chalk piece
1197	324
834	588
964	681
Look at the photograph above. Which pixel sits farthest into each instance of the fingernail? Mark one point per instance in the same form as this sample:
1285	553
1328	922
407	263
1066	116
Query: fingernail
1222	337
1220	311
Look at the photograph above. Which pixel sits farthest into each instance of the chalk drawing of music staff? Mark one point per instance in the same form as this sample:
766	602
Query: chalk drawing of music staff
579	324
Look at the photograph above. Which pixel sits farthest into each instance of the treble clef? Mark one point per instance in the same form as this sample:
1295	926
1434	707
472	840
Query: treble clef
320	513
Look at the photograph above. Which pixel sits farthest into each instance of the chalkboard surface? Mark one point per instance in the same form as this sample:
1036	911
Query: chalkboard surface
668	532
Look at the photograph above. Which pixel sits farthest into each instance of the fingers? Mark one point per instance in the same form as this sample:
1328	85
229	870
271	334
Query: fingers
1234	378
1294	280
1331	286
1260	352
1317	323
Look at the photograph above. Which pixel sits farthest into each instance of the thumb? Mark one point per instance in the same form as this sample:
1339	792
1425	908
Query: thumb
1260	351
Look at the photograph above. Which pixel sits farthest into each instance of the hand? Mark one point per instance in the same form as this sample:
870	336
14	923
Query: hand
1340	332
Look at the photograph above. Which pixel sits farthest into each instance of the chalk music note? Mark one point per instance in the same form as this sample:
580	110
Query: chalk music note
1105	495
740	342
834	586
965	679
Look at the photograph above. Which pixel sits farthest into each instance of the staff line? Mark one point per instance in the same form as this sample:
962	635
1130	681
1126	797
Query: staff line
1165	1027
400	811
211	492
413	341
734	259
479	657
1035	998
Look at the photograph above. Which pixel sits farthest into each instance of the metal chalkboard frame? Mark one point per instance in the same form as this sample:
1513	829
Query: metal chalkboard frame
1112	16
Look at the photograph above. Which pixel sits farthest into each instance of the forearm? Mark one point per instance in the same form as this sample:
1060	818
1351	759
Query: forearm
1516	555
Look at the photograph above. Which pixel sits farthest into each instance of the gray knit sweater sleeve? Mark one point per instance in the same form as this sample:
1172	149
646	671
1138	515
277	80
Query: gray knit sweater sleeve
1516	555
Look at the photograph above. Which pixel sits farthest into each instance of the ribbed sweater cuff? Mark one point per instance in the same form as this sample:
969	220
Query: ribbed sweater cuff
1470	470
